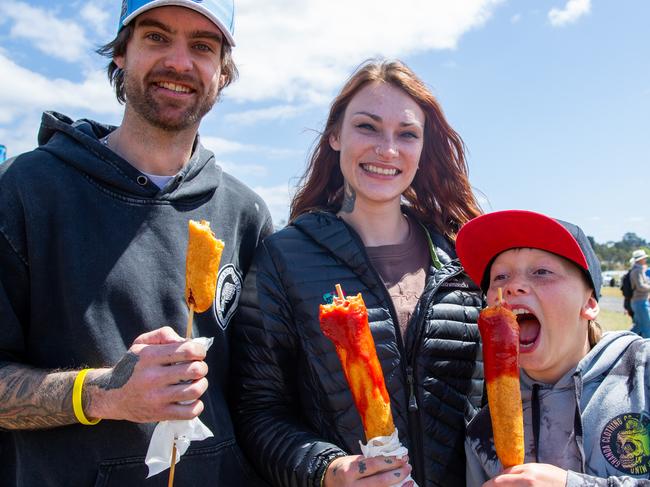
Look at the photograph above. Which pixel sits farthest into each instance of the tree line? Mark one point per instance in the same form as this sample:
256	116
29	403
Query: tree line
616	255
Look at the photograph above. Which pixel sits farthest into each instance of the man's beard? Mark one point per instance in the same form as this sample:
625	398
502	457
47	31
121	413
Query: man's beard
140	98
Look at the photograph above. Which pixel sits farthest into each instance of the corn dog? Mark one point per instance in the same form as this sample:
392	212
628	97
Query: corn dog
201	270
345	322
201	265
500	335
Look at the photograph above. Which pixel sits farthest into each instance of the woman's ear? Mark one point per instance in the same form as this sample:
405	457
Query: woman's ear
119	61
335	143
590	309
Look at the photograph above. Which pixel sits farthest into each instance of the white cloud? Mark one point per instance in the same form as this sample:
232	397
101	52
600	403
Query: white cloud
293	51
222	146
277	198
21	137
515	18
24	94
244	171
22	90
636	219
61	39
96	17
302	50
279	112
573	10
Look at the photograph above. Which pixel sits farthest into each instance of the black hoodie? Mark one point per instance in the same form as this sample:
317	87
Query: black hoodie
92	254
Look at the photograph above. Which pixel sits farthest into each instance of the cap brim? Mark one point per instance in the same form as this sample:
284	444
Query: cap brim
197	7
486	236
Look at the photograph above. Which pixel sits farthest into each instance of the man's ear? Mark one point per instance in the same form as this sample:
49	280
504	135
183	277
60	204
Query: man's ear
590	309
222	81
335	143
119	61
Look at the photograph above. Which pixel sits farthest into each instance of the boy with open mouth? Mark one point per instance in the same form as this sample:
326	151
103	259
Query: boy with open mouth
585	393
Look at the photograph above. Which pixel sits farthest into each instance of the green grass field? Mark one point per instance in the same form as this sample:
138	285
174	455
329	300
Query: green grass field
613	320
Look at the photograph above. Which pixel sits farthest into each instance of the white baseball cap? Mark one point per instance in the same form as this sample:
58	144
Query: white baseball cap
220	12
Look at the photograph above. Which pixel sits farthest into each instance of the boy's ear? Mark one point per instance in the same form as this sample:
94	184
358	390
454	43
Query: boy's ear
590	309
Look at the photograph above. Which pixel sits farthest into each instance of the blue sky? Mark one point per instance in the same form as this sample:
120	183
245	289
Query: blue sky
552	97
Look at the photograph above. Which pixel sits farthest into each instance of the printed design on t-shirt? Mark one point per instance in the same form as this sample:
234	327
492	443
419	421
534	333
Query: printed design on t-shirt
625	443
229	286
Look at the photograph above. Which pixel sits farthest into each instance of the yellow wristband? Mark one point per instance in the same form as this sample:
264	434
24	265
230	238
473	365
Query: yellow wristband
76	399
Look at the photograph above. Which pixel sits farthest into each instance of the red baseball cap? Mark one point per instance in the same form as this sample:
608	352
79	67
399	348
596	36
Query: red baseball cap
480	240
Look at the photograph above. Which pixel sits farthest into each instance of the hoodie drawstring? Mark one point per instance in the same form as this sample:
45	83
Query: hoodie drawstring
535	406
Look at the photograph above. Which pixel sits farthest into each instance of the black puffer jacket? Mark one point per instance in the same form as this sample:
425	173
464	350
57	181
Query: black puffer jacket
294	411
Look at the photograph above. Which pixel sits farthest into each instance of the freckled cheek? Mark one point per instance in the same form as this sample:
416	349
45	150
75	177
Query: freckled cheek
352	153
412	155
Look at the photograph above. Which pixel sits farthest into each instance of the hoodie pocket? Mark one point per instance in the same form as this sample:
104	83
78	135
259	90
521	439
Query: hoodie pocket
220	465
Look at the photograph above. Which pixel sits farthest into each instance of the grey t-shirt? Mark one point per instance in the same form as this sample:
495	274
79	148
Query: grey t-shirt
403	270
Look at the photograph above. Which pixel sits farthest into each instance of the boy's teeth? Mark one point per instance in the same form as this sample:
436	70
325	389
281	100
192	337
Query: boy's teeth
519	311
174	87
379	170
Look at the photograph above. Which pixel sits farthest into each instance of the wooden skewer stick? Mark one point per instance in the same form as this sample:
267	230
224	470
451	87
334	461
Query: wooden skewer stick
339	291
500	294
190	319
172	464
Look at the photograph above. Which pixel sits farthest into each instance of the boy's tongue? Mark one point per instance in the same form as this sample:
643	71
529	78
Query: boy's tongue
528	328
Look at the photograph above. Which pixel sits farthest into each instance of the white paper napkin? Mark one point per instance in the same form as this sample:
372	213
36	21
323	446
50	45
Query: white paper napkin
184	431
386	446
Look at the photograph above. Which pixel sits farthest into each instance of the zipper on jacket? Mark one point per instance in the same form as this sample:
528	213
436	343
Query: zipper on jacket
413	402
414	423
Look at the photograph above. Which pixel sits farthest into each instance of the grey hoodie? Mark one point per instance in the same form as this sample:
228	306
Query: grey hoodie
92	254
607	443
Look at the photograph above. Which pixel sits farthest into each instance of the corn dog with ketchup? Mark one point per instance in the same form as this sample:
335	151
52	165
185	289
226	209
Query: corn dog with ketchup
500	335
345	322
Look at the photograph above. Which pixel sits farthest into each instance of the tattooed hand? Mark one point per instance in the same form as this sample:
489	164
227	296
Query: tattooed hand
367	472
159	371
144	386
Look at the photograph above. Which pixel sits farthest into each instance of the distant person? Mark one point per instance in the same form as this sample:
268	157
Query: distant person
627	291
93	236
641	287
585	394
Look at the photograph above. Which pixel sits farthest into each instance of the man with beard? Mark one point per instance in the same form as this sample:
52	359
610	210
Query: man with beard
93	232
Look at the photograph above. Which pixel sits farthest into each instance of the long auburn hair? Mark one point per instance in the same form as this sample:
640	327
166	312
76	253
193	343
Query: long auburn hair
440	193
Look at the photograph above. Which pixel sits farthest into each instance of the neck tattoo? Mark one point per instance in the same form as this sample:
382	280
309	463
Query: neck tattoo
349	197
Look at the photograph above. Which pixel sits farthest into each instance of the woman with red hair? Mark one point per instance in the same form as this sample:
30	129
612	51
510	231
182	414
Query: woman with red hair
384	193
